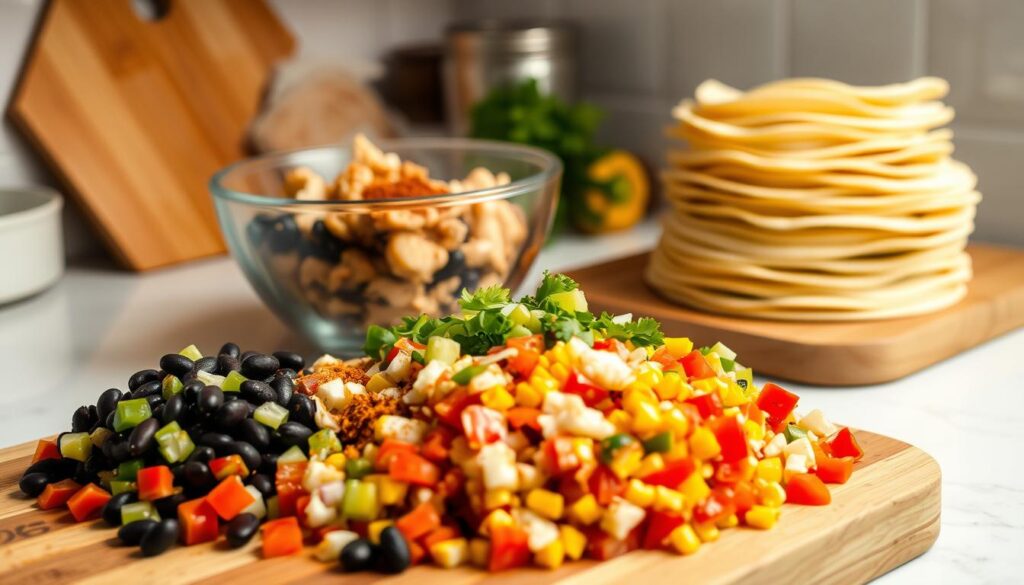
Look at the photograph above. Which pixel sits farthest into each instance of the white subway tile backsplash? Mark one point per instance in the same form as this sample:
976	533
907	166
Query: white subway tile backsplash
416	21
738	42
996	158
866	42
474	9
335	30
624	46
978	45
637	125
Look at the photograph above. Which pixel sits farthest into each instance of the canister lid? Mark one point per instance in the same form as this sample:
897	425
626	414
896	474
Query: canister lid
511	36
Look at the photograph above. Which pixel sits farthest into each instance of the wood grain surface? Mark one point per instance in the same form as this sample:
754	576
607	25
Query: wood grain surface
837	353
887	514
135	116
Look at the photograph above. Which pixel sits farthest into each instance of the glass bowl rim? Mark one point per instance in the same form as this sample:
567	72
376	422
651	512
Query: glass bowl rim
550	168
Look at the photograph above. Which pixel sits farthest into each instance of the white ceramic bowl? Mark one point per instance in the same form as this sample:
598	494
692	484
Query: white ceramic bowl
31	241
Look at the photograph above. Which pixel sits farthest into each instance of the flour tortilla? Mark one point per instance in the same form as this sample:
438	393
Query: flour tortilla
918	90
696	159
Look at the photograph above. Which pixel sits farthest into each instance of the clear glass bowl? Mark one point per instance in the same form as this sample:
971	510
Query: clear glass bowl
331	268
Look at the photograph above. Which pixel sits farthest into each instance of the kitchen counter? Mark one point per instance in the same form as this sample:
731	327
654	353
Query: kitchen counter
99	325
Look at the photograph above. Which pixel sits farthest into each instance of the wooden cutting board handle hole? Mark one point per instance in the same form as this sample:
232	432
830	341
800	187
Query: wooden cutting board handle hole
151	10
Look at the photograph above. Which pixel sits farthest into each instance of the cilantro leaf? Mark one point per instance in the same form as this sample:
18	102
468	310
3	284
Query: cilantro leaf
484	298
643	331
549	285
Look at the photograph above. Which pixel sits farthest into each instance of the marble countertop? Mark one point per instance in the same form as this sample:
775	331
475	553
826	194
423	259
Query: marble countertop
99	324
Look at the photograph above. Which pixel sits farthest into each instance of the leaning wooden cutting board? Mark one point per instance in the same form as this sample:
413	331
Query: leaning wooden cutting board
135	115
887	514
831	353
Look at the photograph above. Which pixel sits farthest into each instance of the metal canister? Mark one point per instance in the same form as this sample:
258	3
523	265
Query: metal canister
482	55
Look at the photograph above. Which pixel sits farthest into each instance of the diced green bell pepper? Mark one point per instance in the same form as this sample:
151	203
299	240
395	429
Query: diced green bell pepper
117	486
270	414
323	443
77	446
794	433
129	413
360	502
467	373
612	444
232	382
127	470
442	349
170	386
292	455
136	511
727	364
358	468
191	352
174	444
660	443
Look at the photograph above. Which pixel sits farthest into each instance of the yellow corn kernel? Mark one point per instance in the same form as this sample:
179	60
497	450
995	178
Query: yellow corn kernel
732	394
546	503
753	430
497	498
650	464
684	539
677	422
647	419
730	521
635	395
560	372
731	411
541	373
495	519
703	444
679	450
639	493
685	392
528	396
668	387
585	510
695	489
769	469
707	531
668	500
479	552
678	347
551	556
335	460
770	493
543	361
498	398
762	517
573	541
621	419
375	528
558	355
450	553
649	375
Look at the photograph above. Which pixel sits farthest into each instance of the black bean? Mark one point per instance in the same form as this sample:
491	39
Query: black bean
219	441
55	469
259	366
109	421
292	433
158	412
97	463
356	556
191	390
141	377
263	483
202	454
210	400
173	408
230	414
206	364
241	529
197	474
290	373
283	388
283	234
154	401
126	396
176	364
246	354
80	420
148	389
268	463
133	532
84	475
230	349
249	454
257	392
107	403
33	484
290	360
141	438
168	507
471	279
301	409
455	265
160	538
254	433
227	364
392	555
112	509
118	449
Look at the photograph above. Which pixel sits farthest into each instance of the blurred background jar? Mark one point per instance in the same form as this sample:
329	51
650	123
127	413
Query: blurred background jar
483	55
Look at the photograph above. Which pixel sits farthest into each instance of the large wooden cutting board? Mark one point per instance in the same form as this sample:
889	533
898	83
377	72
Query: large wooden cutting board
135	115
887	514
831	353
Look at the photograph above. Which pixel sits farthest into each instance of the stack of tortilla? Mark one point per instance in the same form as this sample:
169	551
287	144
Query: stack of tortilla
809	199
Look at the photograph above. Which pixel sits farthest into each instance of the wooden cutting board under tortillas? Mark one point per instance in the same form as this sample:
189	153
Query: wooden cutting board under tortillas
135	115
830	353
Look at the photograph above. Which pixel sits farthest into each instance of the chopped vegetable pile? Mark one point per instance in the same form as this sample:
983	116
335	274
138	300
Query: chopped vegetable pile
518	432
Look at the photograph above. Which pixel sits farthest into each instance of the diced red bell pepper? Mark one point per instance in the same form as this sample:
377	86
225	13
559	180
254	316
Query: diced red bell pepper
674	473
416	552
719	504
731	438
528	353
659	526
388	449
411	468
87	502
281	537
437	444
560	455
752	412
441	534
582	387
509	548
222	467
663	357
696	366
605	485
301	503
154	482
522	416
807	489
451	483
198	521
708	405
844	444
777	403
743	497
46	449
602	546
449	410
734	471
288	480
833	469
57	494
483	425
420	521
229	497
